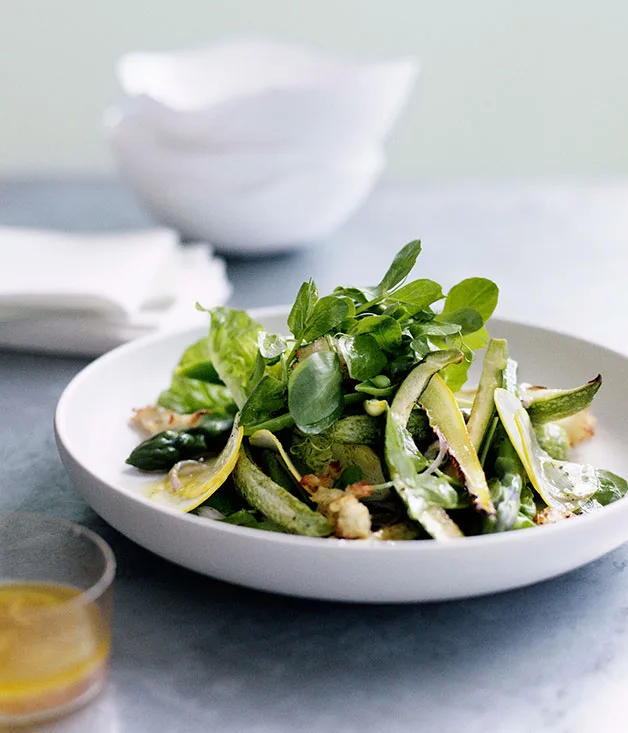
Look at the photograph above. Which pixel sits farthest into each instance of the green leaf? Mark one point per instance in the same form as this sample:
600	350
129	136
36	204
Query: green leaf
326	316
475	292
419	293
508	489
401	366
468	319
351	308
612	487
187	395
455	375
506	494
226	500
422	316
196	363
476	340
258	372
265	401
233	350
349	325
438	491
360	296
384	329
420	346
362	355
528	505
435	328
397	311
315	396
249	518
400	268
302	309
405	462
271	345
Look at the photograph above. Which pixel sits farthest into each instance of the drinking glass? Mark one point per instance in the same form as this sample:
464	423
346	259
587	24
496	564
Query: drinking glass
55	616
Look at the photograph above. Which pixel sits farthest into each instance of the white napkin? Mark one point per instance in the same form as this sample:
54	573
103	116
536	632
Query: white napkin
86	293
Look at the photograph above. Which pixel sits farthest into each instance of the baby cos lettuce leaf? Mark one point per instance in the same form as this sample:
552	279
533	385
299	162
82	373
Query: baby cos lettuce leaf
196	384
233	350
187	395
196	363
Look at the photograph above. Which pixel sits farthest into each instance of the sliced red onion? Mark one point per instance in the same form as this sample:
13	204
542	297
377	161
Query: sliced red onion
183	468
442	452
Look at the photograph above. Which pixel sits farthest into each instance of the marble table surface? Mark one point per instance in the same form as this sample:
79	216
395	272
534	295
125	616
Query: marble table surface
194	654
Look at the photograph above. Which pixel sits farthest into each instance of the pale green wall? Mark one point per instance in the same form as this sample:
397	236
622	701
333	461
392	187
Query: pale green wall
508	88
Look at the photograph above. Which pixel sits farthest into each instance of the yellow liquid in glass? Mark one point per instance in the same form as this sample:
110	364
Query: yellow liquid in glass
52	651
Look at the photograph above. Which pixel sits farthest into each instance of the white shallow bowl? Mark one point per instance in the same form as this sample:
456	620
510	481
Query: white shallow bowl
244	202
98	402
258	93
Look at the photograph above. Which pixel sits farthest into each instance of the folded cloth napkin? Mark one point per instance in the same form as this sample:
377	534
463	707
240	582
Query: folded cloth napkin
86	293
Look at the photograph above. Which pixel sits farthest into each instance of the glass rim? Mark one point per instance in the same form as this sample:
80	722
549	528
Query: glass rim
84	596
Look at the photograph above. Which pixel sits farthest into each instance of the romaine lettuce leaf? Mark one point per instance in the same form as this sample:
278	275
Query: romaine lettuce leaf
187	395
233	350
196	363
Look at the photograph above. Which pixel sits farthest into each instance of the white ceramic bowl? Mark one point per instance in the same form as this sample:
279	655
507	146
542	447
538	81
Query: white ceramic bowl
255	93
243	202
104	393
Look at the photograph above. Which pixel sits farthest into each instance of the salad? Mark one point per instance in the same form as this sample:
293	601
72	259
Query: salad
359	425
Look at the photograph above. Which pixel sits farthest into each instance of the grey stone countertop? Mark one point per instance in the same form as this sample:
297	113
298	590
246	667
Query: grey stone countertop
194	654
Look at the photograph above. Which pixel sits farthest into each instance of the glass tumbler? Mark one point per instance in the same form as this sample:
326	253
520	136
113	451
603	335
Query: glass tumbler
55	616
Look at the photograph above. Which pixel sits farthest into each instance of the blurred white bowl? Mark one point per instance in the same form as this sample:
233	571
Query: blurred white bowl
257	93
255	146
220	168
245	203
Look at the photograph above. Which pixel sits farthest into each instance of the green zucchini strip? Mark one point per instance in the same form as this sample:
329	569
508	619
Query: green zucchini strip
548	405
561	484
483	409
402	457
445	417
262	493
265	439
